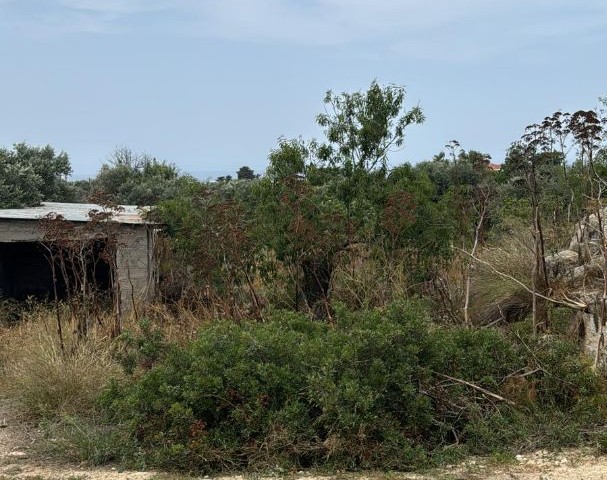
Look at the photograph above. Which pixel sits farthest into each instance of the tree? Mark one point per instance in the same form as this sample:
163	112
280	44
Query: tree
321	198
245	173
303	223
29	175
362	128
588	132
137	179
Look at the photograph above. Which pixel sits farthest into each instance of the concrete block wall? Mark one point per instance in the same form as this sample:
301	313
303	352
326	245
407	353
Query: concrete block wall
135	264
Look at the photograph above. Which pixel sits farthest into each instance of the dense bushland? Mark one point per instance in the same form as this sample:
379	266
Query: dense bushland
380	389
333	312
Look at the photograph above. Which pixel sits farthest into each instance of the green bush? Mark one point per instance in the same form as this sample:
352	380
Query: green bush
379	389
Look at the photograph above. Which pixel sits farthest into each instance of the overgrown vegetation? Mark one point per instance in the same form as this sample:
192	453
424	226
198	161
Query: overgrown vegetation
381	389
337	312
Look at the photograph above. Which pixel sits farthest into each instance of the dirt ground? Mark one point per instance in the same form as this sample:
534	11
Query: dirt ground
18	461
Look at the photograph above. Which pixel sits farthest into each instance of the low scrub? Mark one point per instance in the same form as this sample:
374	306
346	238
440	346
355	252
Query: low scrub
379	389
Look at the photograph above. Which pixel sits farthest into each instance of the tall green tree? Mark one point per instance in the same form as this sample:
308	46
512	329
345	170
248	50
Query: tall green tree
320	198
30	175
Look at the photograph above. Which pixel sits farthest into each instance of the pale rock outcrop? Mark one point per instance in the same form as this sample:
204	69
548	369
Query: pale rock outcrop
579	271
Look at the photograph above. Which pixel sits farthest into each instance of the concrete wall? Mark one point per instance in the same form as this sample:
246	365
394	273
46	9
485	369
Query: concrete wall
136	274
19	231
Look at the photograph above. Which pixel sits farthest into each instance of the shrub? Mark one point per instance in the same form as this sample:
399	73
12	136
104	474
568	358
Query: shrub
379	389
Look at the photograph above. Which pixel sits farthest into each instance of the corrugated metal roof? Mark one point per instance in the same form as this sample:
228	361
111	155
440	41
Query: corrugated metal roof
74	212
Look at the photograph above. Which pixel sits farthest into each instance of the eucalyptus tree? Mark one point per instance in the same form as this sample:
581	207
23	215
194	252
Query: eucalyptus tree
321	198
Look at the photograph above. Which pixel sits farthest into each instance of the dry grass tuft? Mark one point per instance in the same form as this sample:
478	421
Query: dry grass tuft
495	297
46	381
364	280
178	323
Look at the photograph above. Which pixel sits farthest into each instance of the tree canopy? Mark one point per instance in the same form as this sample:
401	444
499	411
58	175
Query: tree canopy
30	175
132	178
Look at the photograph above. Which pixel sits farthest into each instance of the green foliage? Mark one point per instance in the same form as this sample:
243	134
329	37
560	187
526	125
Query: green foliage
143	350
320	199
559	189
137	179
380	389
30	175
245	173
289	159
362	127
415	222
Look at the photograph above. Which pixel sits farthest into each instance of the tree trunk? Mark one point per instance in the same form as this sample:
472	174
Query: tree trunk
315	286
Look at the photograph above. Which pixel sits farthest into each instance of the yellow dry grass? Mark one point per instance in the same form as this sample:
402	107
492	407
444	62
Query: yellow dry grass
46	380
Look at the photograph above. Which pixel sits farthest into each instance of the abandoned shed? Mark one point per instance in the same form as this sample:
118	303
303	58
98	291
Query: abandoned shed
32	240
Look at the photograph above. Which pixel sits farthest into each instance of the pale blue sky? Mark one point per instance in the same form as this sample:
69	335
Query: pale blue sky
211	84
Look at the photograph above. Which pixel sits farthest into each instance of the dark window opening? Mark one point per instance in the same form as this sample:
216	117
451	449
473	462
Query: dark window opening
25	271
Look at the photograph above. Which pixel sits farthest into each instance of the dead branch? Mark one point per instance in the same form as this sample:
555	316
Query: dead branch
574	304
476	387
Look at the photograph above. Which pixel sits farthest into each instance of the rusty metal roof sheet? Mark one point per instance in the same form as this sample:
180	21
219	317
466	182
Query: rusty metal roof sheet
75	212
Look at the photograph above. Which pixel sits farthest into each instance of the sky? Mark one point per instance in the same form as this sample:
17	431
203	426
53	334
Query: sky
211	85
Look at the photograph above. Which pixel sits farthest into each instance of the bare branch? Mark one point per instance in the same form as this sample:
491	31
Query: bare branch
574	304
476	387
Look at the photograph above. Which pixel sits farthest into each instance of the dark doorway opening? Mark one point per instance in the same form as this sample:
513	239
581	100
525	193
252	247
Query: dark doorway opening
25	271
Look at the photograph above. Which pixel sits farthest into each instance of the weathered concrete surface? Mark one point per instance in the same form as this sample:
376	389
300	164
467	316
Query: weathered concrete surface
135	262
135	265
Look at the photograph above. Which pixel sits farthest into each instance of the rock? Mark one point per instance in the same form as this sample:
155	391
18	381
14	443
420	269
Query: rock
17	455
587	235
566	258
562	262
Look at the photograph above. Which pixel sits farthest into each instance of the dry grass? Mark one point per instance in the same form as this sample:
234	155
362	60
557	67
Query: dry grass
495	296
46	381
363	280
178	323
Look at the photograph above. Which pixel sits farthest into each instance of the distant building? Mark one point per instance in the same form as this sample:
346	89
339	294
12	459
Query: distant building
496	167
25	267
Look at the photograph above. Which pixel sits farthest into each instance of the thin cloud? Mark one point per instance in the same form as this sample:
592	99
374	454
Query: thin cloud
119	7
459	30
322	22
452	30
